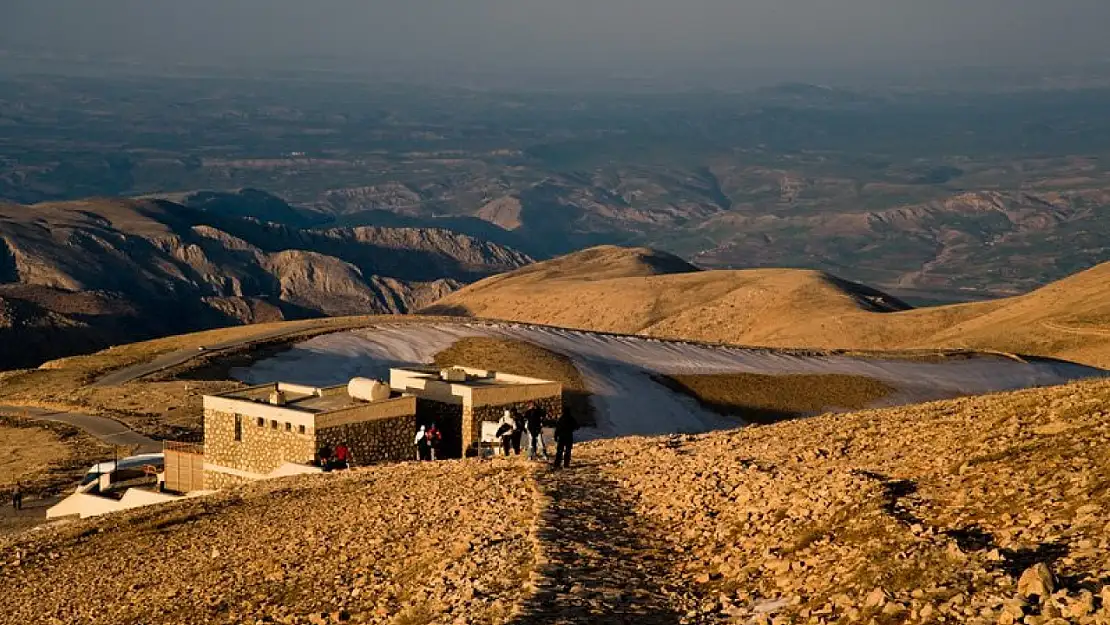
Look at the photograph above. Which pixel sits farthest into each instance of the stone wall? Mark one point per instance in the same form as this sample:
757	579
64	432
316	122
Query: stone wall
504	394
393	407
473	416
448	418
386	439
215	480
260	448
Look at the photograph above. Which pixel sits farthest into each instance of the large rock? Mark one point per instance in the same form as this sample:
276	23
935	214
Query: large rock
1037	580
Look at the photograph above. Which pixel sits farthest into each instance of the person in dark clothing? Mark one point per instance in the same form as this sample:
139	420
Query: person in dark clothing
17	497
533	421
434	439
564	439
323	457
518	433
423	444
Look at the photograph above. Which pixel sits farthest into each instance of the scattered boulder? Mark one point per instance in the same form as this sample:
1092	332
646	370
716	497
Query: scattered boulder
1036	581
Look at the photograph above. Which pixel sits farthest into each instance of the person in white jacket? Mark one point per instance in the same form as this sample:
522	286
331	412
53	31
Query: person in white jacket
506	427
423	445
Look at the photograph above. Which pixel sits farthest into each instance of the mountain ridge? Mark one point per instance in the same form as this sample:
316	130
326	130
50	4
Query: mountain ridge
64	265
794	308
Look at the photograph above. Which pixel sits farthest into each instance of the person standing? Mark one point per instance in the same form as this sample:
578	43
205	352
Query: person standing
323	457
423	445
434	439
17	497
342	456
533	421
506	427
564	439
518	433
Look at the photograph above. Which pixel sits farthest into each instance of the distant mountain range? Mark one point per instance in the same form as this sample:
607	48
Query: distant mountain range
955	247
77	276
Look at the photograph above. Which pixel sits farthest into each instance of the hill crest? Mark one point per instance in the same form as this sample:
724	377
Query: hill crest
795	308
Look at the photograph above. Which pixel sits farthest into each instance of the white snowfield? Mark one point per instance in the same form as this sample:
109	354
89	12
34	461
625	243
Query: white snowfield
618	369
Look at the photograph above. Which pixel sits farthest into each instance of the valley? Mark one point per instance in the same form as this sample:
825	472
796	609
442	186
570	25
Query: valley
868	381
84	275
938	196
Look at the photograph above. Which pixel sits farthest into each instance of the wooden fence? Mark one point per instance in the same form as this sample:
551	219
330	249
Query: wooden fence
184	466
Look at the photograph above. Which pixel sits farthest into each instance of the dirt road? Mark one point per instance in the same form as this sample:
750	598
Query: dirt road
181	356
108	430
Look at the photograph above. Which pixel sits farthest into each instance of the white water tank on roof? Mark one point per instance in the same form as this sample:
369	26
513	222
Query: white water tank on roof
277	398
453	374
367	389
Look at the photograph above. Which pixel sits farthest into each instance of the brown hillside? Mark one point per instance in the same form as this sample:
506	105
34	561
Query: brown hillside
920	514
763	399
79	275
521	358
394	545
1069	319
977	510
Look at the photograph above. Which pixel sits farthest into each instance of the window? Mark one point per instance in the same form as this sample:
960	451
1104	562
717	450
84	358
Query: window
261	422
288	427
238	427
300	429
273	424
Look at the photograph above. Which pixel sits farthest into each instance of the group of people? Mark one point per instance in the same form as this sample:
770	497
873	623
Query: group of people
512	427
330	459
428	438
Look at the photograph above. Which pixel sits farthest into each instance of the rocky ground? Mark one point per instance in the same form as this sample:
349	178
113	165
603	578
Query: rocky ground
982	510
395	544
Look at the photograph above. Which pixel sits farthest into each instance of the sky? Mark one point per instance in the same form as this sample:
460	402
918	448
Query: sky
791	38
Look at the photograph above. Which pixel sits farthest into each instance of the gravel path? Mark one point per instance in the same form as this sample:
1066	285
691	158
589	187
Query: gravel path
598	562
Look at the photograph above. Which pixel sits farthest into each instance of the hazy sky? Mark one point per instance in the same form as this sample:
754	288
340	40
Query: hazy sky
642	36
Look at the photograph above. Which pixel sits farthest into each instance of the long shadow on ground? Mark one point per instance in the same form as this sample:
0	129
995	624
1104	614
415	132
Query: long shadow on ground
598	563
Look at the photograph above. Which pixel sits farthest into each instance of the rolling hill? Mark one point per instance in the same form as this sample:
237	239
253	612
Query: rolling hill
75	276
617	290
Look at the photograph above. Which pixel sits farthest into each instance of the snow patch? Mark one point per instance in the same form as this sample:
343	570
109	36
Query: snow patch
618	369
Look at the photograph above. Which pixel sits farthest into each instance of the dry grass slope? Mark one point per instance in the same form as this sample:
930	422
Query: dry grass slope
1069	319
27	452
526	359
764	399
45	456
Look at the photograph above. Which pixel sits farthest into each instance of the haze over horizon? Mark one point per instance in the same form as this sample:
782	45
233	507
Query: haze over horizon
662	39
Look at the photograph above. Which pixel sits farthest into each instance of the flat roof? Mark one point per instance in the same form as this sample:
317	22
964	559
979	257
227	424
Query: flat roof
320	400
478	378
312	400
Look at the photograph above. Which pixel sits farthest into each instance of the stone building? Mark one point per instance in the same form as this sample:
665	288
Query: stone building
467	397
276	429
